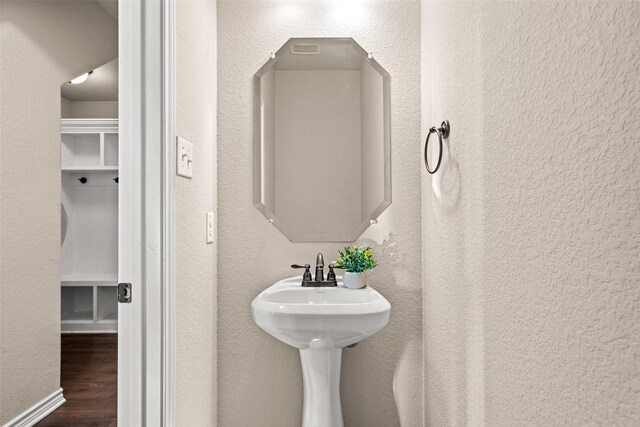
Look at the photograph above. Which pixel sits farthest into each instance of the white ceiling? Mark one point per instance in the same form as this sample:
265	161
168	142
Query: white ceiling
102	85
111	6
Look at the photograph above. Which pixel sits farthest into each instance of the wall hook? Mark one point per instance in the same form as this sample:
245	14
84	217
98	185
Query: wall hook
83	180
116	179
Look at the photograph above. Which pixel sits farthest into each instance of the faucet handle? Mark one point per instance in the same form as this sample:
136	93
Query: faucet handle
331	275
300	266
306	276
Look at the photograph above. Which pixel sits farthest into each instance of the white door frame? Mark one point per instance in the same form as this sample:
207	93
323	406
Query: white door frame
146	367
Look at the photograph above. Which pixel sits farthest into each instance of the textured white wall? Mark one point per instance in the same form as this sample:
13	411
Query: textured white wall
89	109
43	45
195	260
259	379
65	107
531	233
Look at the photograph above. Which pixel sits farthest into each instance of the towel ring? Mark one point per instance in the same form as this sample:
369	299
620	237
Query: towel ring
443	133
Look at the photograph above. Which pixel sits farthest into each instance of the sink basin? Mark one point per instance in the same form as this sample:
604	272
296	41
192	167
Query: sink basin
314	318
320	322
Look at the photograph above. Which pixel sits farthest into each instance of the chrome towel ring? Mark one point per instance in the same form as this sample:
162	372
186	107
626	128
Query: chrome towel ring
443	133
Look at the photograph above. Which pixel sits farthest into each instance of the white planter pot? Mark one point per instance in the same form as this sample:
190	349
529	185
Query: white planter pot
354	280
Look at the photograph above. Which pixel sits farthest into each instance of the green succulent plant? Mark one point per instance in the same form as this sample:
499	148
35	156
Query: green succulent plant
356	259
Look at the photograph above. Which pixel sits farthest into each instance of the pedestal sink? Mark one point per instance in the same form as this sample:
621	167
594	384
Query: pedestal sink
320	322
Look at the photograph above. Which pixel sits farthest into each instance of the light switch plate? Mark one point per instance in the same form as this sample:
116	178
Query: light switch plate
184	158
210	227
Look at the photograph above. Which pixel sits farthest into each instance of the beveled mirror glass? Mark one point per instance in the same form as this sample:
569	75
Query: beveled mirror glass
322	149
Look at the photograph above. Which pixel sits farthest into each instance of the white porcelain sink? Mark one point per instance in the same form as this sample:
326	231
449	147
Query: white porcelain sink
320	322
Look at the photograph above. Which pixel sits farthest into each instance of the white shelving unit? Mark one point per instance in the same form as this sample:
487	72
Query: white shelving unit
89	225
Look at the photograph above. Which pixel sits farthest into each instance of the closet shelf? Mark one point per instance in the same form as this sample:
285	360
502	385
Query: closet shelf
110	319
78	317
79	169
89	280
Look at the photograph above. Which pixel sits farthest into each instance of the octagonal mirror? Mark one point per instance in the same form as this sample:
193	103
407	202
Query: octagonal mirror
322	144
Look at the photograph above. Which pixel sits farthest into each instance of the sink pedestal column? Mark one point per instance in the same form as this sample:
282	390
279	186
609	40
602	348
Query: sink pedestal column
321	379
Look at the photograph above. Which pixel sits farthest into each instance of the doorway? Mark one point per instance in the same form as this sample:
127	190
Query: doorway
44	44
89	247
89	180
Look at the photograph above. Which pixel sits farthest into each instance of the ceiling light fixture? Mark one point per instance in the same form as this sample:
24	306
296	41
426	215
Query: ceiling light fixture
81	79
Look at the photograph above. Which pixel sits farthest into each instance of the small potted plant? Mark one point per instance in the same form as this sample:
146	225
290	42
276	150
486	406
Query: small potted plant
355	260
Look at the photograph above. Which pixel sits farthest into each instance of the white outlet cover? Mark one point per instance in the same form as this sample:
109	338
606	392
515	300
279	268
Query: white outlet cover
210	227
184	158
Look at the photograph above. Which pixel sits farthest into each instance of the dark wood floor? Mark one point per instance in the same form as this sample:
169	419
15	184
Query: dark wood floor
89	382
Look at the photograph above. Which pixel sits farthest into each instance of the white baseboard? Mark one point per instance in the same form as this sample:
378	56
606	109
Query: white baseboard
38	411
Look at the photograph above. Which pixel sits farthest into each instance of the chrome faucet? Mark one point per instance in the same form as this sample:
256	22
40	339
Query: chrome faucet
319	268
